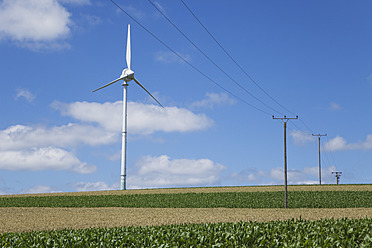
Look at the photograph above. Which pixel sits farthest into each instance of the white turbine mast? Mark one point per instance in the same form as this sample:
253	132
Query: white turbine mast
127	75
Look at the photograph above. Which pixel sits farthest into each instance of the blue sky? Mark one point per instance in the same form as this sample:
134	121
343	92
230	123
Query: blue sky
314	58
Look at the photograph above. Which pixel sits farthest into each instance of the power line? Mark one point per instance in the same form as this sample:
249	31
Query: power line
245	72
235	62
326	155
207	57
308	128
298	128
330	152
187	62
206	76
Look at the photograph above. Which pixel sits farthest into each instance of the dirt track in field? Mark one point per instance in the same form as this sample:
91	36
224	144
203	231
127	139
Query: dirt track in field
32	219
365	187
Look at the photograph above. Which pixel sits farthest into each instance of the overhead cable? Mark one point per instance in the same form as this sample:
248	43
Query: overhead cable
308	128
235	62
207	57
242	69
187	62
330	151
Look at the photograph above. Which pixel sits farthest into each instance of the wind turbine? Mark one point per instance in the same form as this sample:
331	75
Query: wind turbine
127	75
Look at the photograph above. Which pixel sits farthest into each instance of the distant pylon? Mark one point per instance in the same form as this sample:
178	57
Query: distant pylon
338	175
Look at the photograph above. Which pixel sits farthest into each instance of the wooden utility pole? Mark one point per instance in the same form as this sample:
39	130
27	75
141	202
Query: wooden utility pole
338	175
285	119
320	168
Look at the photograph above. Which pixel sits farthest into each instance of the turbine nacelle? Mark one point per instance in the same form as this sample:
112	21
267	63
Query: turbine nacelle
127	75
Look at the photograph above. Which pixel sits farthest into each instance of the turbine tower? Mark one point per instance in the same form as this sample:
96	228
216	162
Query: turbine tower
127	75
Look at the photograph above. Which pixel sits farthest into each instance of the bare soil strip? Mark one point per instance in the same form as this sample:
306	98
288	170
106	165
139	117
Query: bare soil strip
365	187
35	219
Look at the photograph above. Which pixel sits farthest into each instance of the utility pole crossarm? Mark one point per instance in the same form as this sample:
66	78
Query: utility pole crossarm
285	118
320	168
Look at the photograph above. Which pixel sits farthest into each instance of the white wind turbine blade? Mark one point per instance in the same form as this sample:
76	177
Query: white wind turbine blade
108	84
128	48
135	80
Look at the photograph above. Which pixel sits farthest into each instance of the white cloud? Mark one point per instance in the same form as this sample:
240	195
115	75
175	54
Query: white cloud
47	148
276	174
306	175
251	178
162	171
241	177
23	137
339	143
301	138
34	23
133	11
44	46
146	119
170	57
39	189
91	20
143	119
334	106
159	6
25	94
77	2
213	99
369	78
30	148
45	158
82	186
108	115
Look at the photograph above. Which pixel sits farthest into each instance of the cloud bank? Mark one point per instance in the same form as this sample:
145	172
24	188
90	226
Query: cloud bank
162	171
340	144
213	99
77	2
21	137
301	138
45	158
34	23
49	148
275	176
143	119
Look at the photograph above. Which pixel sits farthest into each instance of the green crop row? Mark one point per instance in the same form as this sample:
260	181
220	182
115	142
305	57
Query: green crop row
296	199
291	233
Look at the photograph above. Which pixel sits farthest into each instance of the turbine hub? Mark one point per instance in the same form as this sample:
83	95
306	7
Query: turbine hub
127	75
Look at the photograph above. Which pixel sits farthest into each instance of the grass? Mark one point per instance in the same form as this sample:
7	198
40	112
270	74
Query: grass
296	199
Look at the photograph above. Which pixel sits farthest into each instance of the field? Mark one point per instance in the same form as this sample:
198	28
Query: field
353	187
316	206
296	199
291	233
